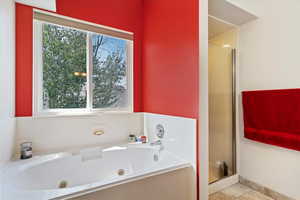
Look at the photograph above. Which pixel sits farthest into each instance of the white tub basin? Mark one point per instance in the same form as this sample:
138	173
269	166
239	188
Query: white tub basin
63	174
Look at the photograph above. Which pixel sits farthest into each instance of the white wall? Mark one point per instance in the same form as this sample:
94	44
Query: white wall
7	70
269	59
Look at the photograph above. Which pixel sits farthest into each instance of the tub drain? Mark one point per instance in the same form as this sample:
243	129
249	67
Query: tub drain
63	184
121	172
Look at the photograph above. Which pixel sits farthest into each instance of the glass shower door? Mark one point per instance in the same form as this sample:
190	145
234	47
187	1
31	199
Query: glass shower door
221	112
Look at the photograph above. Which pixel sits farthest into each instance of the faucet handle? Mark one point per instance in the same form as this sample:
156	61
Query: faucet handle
160	131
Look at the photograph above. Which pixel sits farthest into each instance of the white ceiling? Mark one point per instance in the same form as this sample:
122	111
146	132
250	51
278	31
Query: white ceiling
229	12
216	27
44	4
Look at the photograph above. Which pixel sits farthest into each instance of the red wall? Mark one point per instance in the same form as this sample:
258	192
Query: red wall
166	73
123	14
168	32
170	57
24	60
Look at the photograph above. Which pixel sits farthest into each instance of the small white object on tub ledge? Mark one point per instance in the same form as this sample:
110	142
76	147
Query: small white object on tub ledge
91	154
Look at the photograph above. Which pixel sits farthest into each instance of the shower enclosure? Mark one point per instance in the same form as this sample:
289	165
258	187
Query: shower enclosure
222	106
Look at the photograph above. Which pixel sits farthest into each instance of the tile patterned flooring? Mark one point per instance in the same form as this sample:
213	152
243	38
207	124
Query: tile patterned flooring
238	192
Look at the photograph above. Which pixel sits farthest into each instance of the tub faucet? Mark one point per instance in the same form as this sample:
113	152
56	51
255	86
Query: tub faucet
26	150
158	143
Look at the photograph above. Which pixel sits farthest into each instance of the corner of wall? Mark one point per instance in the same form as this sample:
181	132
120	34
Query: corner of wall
7	79
203	98
7	82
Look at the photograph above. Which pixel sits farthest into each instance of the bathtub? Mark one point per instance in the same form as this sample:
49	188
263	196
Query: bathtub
67	175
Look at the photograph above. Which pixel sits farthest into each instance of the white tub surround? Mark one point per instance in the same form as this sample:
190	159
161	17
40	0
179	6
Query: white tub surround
59	134
65	175
92	166
180	134
180	139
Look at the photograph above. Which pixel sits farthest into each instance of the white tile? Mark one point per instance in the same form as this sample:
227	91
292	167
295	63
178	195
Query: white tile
180	134
67	133
180	137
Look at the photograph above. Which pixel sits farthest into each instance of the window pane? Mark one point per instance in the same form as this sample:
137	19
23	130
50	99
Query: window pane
109	72
64	67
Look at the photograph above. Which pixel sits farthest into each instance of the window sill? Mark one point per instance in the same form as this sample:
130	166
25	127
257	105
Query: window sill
78	114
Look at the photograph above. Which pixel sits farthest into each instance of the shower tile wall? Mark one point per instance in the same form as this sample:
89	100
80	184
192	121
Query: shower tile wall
220	103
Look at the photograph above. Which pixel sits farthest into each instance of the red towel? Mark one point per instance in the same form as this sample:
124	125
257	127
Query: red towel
273	117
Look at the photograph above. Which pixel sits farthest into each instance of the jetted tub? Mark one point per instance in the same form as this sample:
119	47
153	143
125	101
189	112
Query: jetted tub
64	175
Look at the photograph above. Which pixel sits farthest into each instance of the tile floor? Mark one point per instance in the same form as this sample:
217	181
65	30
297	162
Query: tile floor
238	192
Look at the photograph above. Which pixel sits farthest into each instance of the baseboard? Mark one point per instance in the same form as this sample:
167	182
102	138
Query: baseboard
227	182
222	184
264	190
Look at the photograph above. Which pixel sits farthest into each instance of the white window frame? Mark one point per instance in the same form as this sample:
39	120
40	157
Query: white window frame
38	110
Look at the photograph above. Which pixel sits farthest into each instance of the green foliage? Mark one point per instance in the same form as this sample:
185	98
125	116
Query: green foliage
108	76
64	53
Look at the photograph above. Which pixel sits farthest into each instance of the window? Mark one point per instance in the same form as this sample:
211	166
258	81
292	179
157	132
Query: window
80	67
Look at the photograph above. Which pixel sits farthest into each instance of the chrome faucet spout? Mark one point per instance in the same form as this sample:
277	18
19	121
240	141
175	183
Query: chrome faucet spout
155	143
158	143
